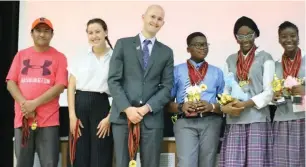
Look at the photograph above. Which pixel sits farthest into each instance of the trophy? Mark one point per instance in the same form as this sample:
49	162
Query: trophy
224	99
193	95
277	87
194	92
277	84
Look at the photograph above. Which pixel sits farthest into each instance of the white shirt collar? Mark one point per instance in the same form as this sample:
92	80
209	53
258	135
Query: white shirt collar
142	38
258	49
303	53
90	52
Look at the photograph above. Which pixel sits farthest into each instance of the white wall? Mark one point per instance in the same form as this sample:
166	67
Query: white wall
215	19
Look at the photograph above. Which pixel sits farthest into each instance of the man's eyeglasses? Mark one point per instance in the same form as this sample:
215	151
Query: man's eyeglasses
246	37
199	45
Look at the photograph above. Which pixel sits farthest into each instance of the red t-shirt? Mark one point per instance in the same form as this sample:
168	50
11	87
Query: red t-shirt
34	73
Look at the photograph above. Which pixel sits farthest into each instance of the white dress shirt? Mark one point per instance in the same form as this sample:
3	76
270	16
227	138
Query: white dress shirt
264	98
91	72
150	46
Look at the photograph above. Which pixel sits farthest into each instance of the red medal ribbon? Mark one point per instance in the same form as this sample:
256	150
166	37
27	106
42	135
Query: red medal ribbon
196	76
133	138
72	142
25	131
243	65
291	67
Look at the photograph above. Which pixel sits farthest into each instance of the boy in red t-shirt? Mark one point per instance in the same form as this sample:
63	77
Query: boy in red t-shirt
35	80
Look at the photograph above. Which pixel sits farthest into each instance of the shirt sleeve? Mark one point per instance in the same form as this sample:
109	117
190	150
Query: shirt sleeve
226	89
61	72
264	98
175	81
14	70
220	88
72	66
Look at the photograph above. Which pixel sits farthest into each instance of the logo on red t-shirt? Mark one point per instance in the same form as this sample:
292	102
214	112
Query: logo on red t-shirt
45	67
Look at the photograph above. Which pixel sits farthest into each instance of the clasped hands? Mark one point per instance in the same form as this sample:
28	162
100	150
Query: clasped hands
233	108
136	114
28	108
193	108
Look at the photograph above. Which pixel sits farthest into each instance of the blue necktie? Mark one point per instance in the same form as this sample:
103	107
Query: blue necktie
198	67
146	53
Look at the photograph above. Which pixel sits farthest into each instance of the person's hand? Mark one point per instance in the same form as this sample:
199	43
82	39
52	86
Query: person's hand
133	115
143	110
203	106
21	107
188	108
238	104
73	121
30	115
104	127
28	106
298	90
231	109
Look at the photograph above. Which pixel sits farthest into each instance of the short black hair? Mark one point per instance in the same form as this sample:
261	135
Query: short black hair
245	21
193	35
287	24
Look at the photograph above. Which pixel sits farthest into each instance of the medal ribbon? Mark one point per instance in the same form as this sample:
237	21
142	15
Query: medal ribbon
133	138
196	76
25	131
72	142
291	67
243	65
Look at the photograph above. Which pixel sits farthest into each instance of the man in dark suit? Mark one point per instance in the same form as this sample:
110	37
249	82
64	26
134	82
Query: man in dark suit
140	81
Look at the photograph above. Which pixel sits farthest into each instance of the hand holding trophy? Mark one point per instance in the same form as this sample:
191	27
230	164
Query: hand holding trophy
194	96
294	90
277	87
289	83
224	99
227	103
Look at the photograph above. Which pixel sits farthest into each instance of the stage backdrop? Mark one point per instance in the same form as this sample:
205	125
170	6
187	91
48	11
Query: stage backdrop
214	19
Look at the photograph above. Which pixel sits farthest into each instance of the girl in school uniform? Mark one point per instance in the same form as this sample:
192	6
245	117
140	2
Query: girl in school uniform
88	101
248	134
289	120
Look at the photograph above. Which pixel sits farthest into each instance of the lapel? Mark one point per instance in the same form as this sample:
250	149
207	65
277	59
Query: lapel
154	55
137	47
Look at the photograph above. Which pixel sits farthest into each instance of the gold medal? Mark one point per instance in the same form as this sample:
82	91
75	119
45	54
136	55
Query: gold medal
132	163
34	125
243	83
203	87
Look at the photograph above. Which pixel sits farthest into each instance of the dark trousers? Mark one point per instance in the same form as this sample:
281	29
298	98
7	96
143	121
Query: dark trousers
92	151
150	145
44	141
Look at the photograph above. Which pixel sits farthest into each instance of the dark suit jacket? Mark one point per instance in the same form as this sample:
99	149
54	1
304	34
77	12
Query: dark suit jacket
131	85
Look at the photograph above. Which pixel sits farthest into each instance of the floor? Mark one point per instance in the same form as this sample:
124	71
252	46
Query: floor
36	162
